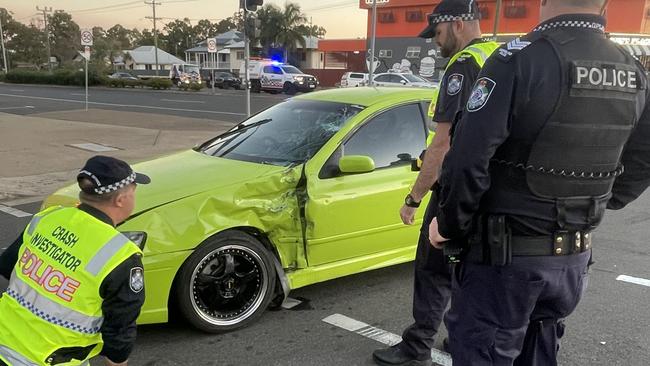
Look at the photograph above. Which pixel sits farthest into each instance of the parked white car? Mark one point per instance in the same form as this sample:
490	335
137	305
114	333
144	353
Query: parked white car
401	79
354	79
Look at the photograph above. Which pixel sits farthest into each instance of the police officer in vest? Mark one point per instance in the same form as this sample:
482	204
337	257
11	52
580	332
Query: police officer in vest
455	26
76	283
553	134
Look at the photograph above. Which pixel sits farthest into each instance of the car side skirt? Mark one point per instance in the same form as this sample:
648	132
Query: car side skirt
329	271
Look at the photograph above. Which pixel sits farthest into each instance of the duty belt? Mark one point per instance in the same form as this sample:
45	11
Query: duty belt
561	243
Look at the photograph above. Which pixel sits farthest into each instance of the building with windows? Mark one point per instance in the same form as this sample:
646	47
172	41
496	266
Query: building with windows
400	21
143	58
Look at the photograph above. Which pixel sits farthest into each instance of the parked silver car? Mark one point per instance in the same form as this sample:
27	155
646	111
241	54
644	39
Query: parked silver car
401	79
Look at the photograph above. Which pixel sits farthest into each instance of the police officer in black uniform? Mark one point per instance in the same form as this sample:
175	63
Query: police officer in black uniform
555	132
122	293
455	26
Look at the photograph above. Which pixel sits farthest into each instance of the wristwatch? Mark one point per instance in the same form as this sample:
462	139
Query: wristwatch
410	202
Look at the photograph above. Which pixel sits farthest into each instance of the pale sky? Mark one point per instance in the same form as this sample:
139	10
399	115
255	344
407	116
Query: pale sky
341	18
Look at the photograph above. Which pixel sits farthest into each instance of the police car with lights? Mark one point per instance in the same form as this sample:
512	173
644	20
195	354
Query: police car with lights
274	76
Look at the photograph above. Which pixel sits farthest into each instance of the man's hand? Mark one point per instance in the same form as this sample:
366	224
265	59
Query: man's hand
407	214
435	238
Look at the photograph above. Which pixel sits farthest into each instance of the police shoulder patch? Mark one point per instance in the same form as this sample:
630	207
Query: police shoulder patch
136	280
454	84
507	50
480	94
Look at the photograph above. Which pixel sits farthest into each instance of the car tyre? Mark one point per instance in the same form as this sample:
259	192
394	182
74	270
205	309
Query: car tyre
290	89
227	283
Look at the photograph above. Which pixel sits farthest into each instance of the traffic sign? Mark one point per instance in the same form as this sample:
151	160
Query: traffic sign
86	37
86	53
212	45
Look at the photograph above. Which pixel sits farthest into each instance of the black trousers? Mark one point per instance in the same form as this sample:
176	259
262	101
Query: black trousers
431	291
513	314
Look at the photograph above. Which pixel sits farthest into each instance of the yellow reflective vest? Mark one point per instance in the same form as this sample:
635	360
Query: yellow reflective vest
480	52
53	299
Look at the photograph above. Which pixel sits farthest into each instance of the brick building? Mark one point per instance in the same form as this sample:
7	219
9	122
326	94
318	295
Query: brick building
399	22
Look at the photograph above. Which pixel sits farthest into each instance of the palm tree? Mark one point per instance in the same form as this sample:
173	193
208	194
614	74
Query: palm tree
282	28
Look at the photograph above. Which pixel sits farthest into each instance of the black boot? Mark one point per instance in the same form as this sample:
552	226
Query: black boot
395	356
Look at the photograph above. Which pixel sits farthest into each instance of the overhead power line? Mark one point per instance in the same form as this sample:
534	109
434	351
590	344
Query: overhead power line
105	7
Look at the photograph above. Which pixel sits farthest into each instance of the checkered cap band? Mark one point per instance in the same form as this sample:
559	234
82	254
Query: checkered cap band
571	24
117	185
438	18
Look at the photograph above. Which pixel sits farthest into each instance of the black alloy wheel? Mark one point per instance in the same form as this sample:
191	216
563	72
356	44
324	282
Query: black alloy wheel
226	283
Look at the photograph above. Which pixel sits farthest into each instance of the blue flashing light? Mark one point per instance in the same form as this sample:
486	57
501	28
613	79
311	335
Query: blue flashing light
276	63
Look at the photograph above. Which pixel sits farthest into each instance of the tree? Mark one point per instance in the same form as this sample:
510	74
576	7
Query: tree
120	36
179	36
24	43
312	30
205	29
64	36
283	28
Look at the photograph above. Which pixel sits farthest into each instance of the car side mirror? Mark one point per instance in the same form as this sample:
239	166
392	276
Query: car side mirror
356	164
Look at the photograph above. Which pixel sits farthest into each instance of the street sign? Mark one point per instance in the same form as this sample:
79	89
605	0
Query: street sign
212	45
86	37
87	52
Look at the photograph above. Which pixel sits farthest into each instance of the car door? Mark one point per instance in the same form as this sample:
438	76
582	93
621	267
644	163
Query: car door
382	80
273	77
357	215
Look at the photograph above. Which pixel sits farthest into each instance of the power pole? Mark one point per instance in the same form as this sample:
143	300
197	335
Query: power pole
371	72
496	20
46	10
153	3
2	40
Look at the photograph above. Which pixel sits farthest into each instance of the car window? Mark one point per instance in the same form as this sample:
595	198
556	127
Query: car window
268	69
382	78
390	138
396	79
288	133
356	76
414	79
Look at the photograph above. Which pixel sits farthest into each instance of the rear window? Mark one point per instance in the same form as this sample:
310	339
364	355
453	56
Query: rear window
357	76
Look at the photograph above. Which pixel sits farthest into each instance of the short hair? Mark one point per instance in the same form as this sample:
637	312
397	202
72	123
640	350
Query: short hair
87	185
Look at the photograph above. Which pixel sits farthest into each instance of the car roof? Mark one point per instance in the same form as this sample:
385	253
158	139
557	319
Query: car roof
367	96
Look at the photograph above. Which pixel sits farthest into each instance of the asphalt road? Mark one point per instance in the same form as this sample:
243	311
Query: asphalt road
610	327
224	105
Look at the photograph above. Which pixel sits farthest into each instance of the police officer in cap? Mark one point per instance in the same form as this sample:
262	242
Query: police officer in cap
455	26
555	131
76	283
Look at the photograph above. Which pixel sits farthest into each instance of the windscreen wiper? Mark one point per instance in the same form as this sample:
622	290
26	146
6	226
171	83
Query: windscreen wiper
239	128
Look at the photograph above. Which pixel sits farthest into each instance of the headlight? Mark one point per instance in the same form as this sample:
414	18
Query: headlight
138	237
298	78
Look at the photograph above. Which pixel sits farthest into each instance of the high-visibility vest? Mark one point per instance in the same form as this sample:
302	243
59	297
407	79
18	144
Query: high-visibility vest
480	52
53	299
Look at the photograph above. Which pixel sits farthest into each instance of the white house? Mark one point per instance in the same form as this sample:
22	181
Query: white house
144	58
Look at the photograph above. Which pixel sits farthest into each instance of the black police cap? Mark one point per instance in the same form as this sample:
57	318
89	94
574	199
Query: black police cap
109	174
450	10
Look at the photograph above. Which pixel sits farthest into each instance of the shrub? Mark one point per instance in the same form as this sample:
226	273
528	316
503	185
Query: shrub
196	86
58	77
158	84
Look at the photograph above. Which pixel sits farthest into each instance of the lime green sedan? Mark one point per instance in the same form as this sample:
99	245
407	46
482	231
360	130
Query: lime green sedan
302	192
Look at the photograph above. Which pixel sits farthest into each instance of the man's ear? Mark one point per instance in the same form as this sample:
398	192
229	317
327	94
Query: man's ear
119	198
458	26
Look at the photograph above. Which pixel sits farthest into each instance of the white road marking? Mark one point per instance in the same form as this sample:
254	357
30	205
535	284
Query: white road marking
123	105
93	147
16	90
84	94
182	101
23	107
380	335
14	211
634	280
